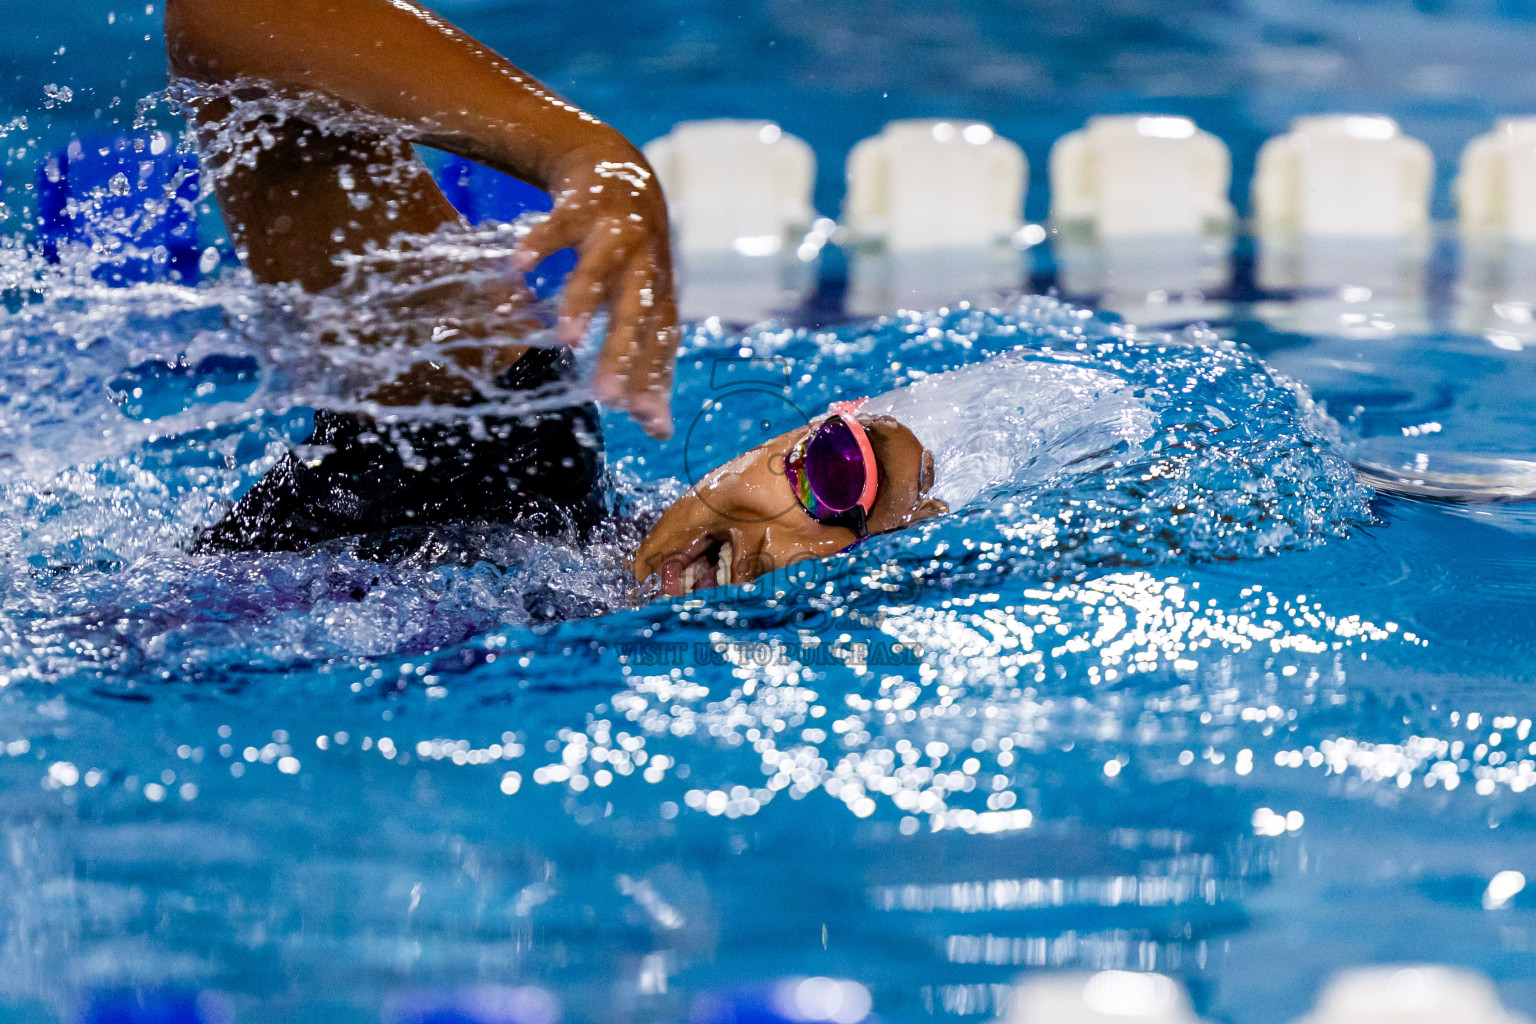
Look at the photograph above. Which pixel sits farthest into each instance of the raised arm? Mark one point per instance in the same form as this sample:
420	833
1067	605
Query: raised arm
399	60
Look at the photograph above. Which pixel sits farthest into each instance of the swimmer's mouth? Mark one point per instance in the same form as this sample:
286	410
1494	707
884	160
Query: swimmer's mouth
710	566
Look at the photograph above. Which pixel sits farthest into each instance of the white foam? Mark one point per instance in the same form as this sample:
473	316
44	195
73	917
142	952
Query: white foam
1012	420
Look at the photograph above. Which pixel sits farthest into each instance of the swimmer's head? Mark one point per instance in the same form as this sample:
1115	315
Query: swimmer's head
743	519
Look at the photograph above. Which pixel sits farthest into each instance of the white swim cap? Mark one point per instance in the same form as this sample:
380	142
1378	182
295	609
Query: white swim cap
1011	420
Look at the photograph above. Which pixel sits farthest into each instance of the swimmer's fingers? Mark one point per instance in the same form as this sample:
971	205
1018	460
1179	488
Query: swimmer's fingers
611	379
598	275
658	340
652	404
627	370
563	229
560	230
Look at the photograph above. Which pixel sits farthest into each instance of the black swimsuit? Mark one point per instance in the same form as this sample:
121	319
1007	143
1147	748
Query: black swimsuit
540	472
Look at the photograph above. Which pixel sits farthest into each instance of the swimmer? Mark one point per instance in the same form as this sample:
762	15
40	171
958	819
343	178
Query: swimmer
887	463
306	195
877	465
296	208
809	493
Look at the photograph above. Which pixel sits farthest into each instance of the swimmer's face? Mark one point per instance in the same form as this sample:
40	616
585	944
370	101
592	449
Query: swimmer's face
742	520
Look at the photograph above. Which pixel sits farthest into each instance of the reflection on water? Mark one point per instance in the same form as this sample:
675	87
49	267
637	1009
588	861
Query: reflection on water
1207	707
1351	287
1495	294
1129	716
880	282
1154	280
743	289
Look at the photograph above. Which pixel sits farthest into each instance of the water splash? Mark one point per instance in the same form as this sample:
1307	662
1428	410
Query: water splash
1236	462
103	500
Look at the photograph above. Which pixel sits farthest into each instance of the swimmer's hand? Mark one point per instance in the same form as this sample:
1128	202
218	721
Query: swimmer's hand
609	207
439	87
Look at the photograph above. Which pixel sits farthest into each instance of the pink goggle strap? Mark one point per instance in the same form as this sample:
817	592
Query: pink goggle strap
871	473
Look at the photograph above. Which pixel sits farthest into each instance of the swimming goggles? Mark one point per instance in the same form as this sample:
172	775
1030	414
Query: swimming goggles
833	472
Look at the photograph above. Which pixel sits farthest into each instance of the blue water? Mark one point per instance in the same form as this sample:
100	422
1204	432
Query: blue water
240	773
1214	709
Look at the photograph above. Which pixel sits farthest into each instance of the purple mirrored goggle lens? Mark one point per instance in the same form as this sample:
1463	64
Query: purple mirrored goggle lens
834	468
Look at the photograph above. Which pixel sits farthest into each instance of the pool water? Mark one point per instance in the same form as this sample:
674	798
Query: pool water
1211	707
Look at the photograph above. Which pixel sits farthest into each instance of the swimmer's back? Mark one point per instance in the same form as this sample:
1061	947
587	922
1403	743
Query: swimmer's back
385	482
